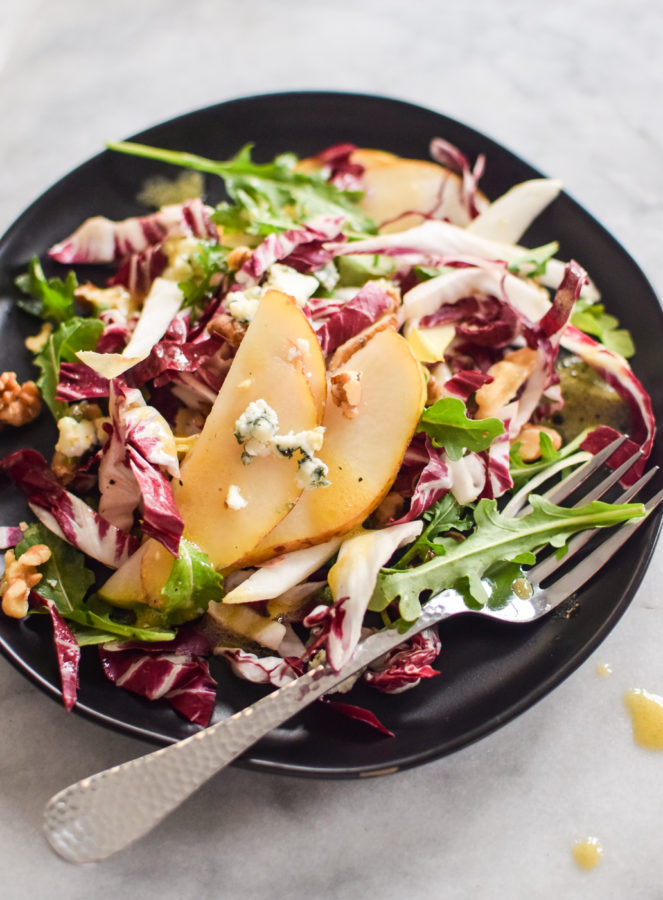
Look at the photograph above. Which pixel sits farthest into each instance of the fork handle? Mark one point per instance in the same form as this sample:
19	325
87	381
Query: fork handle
98	816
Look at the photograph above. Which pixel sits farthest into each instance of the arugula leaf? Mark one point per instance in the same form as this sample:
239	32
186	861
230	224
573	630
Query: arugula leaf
66	581
533	263
267	196
447	425
49	298
496	540
193	583
592	319
208	264
445	515
65	578
69	337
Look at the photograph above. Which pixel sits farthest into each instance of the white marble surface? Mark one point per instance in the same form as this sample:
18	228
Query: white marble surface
575	88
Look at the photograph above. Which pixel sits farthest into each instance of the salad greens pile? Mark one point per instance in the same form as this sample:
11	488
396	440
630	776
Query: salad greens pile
131	368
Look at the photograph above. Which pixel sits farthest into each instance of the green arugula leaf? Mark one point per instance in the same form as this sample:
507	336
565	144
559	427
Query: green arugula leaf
65	578
69	337
445	515
592	319
49	298
496	540
447	425
266	196
66	581
193	583
533	262
208	265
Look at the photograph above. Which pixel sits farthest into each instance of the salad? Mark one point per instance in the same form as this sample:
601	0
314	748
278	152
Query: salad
286	420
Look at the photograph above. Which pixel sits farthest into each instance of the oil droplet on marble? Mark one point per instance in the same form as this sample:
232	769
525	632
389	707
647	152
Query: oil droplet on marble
588	853
604	669
646	718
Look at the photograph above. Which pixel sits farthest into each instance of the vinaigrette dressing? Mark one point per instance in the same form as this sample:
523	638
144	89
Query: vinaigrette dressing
646	712
603	670
588	853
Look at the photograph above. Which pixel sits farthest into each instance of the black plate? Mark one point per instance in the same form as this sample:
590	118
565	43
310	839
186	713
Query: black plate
490	672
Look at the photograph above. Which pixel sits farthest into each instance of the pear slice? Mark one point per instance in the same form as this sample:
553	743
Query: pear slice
125	586
141	578
397	191
363	453
400	193
280	362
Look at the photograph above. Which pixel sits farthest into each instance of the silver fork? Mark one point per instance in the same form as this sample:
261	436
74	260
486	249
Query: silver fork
102	814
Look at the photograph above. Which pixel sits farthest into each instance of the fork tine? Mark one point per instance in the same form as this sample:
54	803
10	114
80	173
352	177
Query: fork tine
551	563
575	479
610	479
569	583
566	487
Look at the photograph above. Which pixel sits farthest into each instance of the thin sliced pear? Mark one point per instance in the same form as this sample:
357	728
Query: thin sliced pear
125	586
155	568
363	453
398	194
279	361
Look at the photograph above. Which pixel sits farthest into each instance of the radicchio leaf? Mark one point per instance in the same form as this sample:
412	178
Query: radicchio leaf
618	374
10	536
63	513
66	647
261	669
359	714
181	678
277	247
101	240
343	172
371	302
140	443
450	156
404	666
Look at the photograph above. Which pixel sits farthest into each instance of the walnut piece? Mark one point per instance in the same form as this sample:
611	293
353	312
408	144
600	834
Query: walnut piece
346	392
392	507
237	257
19	577
19	403
509	374
228	327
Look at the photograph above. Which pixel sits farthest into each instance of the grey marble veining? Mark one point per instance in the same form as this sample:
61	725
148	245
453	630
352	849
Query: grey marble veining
573	87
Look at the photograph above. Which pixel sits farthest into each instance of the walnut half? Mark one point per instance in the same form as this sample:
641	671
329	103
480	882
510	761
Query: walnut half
19	577
19	403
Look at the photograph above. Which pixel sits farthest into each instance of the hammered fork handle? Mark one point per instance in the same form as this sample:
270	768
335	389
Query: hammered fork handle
98	816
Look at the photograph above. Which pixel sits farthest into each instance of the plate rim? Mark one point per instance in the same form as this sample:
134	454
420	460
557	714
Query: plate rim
530	697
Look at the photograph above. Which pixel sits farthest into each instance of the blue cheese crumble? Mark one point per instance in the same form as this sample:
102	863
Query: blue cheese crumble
256	430
76	438
234	499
